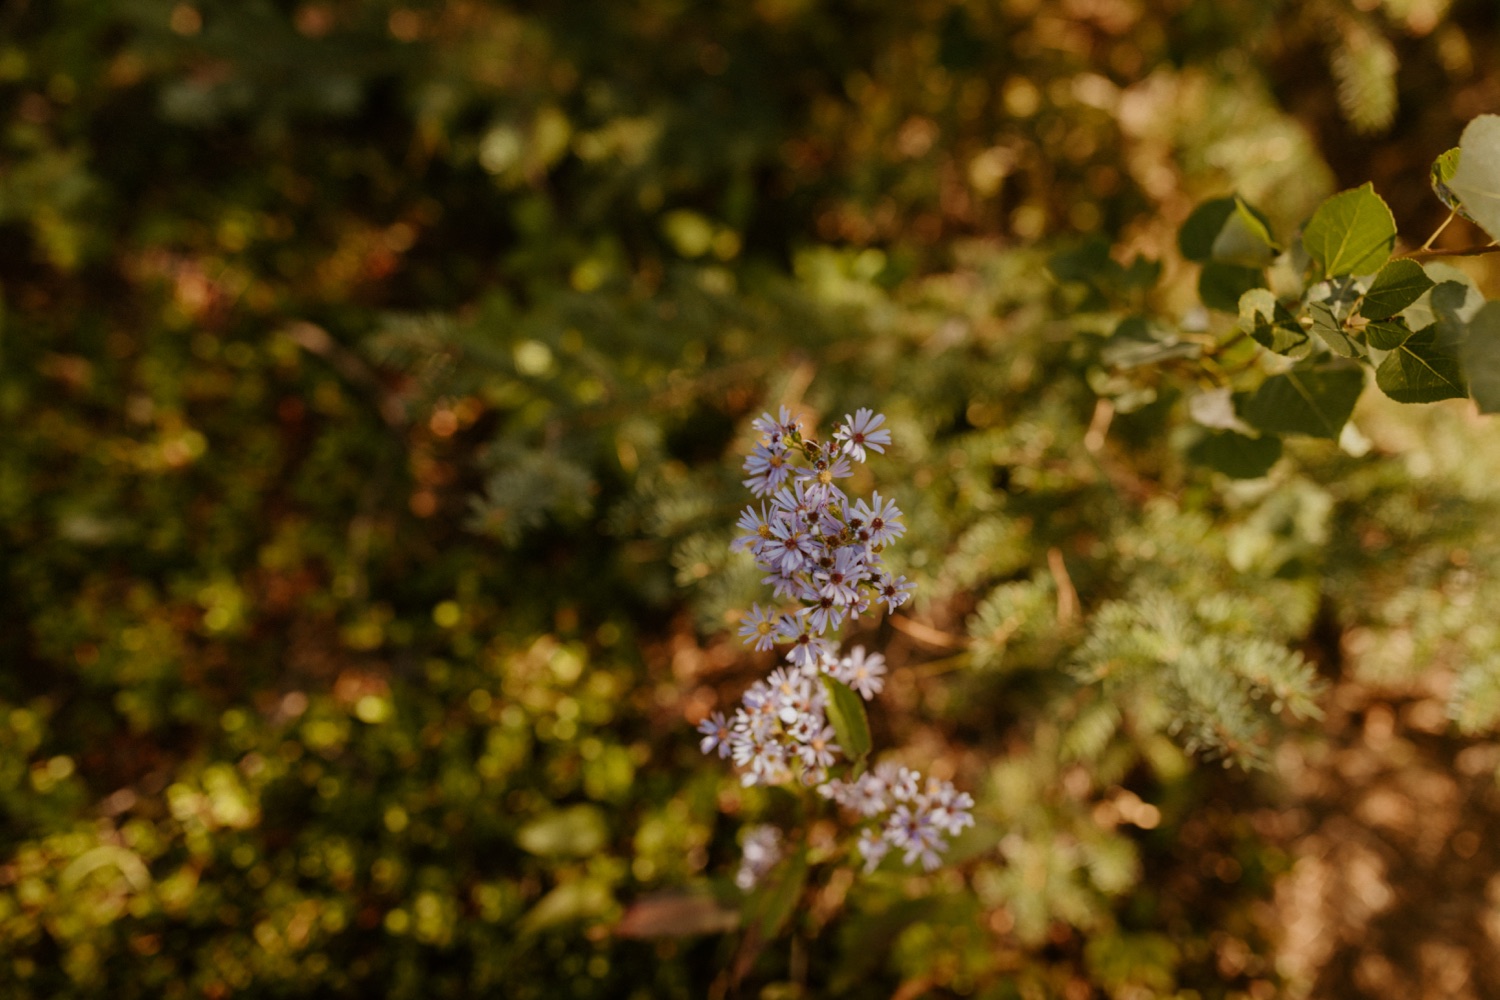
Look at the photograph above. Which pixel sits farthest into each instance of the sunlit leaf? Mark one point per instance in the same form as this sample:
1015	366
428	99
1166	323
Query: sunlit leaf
1398	285
1476	181
1314	400
1352	232
1421	370
1481	357
846	713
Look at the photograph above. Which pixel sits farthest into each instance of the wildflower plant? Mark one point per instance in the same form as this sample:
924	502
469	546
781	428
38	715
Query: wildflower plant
821	552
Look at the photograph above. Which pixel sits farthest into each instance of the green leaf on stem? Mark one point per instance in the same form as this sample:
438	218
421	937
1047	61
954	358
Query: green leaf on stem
1352	232
1443	169
1238	456
1398	285
1476	179
1221	285
1387	334
1269	322
1481	357
1227	231
1310	399
1331	331
775	900
1422	370
847	714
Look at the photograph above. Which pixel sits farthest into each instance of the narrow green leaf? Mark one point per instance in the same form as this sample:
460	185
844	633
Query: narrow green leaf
1421	370
1236	455
1481	357
1314	400
1387	334
847	714
1351	233
1398	285
776	898
1476	179
1221	285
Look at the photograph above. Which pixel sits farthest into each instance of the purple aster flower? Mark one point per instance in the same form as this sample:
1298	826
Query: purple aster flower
871	795
881	522
819	750
863	672
873	848
904	784
912	831
759	627
762	852
774	428
768	468
792	505
715	734
756	530
894	592
825	615
807	648
789	586
948	807
820	477
863	431
790	550
841	580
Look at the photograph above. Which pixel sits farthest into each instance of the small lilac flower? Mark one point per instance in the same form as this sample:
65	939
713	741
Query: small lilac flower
894	592
807	648
882	521
768	469
759	628
756	531
863	431
871	795
820	477
912	831
789	549
762	852
774	428
904	785
863	672
841	580
789	586
787	690
873	848
715	734
825	615
820	751
948	808
791	504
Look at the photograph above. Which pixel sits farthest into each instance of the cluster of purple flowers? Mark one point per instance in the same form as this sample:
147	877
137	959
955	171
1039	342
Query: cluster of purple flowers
819	549
781	728
912	815
822	554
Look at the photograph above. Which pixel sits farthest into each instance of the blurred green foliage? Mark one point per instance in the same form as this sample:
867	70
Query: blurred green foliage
371	381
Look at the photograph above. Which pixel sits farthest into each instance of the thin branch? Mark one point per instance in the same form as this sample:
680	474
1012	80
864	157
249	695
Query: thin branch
1452	214
1465	252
